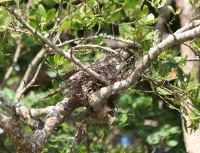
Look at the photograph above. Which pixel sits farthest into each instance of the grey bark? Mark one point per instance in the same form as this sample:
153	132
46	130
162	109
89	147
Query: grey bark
191	140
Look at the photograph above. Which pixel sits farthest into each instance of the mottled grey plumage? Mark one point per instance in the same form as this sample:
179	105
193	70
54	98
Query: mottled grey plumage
108	65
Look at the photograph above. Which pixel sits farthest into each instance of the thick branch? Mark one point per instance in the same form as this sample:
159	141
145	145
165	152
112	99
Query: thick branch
13	127
188	26
5	122
89	119
119	87
5	108
7	102
61	111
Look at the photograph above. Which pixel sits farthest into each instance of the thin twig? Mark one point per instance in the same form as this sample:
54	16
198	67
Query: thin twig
61	52
34	78
165	22
70	12
19	30
194	18
193	49
92	46
85	143
128	42
104	16
141	91
76	135
10	69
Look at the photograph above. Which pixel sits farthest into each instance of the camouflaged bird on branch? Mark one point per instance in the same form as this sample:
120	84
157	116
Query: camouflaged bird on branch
82	85
108	65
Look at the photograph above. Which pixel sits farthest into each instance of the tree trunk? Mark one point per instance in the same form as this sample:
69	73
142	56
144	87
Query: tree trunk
191	140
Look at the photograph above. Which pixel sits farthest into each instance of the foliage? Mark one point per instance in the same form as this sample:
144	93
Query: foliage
131	21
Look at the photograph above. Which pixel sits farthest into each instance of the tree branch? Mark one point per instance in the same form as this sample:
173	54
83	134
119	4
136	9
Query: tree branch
67	55
34	78
128	42
188	26
61	111
29	70
7	102
5	108
119	87
76	117
13	127
5	122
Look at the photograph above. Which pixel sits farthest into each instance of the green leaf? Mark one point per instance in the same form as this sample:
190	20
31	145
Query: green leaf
153	138
57	97
65	25
33	12
33	24
171	9
174	130
4	1
145	10
121	32
150	35
99	39
146	45
131	3
3	16
191	2
93	2
162	91
194	114
50	15
76	148
172	143
164	133
51	61
42	11
32	18
36	41
8	93
126	27
185	123
105	25
122	118
193	76
125	99
191	86
61	59
149	21
83	150
116	16
77	26
55	83
174	60
56	58
103	45
161	3
142	103
180	74
3	28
